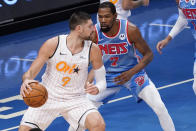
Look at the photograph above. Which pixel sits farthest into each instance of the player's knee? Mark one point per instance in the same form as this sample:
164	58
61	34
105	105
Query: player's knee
24	128
95	121
98	123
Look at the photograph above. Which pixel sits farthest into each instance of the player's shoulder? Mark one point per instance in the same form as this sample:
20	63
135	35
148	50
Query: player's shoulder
132	27
133	32
95	52
94	47
52	42
49	46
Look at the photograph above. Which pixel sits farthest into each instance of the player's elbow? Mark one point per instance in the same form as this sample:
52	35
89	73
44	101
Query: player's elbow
148	57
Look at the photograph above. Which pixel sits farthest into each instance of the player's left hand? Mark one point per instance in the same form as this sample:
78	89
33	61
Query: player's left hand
123	77
91	89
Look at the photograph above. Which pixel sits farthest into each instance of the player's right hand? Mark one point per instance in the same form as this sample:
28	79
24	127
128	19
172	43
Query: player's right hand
161	44
25	86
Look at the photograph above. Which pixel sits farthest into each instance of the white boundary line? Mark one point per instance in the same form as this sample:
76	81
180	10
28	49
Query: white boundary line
17	97
163	87
153	24
21	59
122	98
12	128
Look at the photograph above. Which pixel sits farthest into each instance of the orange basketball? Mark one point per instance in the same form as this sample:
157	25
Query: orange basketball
37	96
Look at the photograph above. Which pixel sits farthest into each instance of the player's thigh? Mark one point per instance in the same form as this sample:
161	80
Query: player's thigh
78	111
41	117
137	84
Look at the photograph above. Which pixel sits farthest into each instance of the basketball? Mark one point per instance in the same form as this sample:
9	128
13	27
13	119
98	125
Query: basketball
37	96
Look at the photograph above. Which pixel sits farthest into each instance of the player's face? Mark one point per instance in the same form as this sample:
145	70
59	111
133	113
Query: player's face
87	30
106	19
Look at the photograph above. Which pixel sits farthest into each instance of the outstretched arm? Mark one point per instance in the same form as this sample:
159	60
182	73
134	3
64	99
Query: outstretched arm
45	52
140	44
98	72
180	24
131	4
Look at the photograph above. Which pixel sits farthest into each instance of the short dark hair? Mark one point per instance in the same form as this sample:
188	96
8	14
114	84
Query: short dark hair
78	18
108	5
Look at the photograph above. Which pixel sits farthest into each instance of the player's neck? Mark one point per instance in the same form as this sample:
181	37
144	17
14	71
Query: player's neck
74	43
114	30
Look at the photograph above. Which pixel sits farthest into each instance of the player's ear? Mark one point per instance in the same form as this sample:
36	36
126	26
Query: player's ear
177	1
78	28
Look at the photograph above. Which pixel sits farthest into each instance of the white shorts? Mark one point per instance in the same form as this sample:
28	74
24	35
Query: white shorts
74	112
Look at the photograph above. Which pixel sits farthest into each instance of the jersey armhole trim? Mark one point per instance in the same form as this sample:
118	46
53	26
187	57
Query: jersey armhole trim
32	124
55	49
89	53
127	25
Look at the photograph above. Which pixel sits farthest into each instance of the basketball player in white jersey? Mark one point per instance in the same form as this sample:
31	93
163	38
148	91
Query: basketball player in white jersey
67	58
123	7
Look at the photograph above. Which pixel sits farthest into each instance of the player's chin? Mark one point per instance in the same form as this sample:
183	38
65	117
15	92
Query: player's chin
105	29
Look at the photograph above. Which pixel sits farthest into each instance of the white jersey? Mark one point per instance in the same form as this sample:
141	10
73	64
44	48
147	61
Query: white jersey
122	14
66	74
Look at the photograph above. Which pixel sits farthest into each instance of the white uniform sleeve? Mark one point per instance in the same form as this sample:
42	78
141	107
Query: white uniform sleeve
181	23
100	79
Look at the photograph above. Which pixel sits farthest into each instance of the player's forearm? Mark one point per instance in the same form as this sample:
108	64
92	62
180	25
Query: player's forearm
27	75
147	58
91	76
130	4
100	77
33	71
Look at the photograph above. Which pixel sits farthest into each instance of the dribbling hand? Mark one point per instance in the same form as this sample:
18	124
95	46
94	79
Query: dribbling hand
25	86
